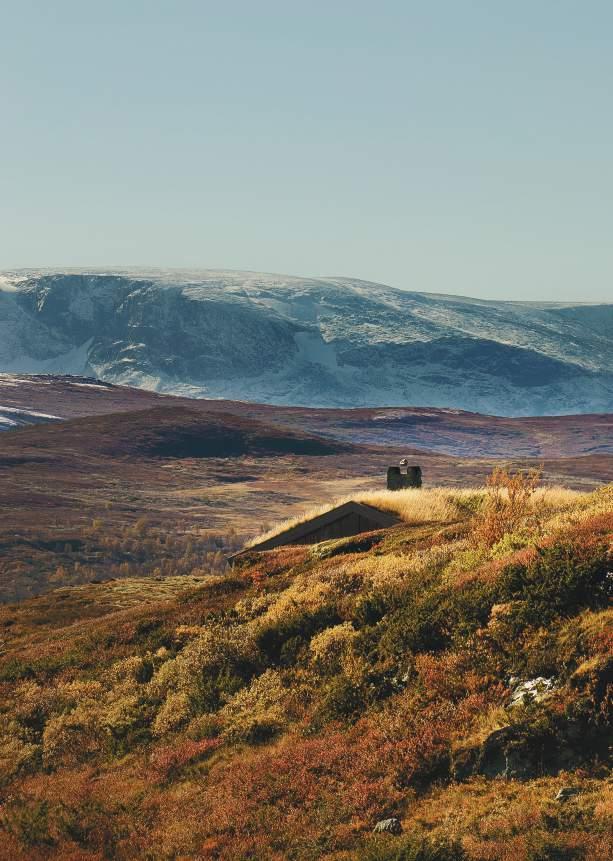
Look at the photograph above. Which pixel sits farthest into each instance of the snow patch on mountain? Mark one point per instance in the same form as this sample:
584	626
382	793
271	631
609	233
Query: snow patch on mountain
11	417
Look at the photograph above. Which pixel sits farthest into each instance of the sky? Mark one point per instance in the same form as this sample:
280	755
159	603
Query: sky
449	146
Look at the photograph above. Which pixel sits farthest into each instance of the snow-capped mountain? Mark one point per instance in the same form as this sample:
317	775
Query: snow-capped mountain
308	341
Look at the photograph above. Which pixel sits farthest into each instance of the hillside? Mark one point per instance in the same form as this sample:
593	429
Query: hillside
34	399
453	673
336	342
167	432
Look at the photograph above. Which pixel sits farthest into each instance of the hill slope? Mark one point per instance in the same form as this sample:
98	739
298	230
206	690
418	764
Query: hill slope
29	399
455	675
168	485
317	342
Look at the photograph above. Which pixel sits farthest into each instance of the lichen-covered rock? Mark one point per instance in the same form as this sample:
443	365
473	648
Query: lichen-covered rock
504	753
388	826
567	792
531	690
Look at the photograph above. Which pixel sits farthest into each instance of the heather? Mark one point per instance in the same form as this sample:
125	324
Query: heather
454	672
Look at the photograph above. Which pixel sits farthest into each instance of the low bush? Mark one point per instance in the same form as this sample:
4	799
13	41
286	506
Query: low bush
561	580
295	630
412	849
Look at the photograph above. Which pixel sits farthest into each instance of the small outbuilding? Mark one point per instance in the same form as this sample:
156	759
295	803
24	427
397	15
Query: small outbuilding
403	476
345	520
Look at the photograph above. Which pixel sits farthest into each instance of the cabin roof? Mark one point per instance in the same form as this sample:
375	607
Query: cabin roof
379	520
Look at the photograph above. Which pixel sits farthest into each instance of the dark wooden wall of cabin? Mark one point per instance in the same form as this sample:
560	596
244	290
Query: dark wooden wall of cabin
351	524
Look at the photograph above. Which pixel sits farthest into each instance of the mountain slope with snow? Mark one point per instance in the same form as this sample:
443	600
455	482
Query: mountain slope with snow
311	341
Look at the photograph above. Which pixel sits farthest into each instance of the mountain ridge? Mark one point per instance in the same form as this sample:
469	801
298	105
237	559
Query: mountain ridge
334	342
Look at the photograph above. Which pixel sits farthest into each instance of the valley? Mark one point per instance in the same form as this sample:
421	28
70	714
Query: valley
124	482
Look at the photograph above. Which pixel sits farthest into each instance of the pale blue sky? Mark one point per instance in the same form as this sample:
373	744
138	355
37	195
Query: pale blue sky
456	147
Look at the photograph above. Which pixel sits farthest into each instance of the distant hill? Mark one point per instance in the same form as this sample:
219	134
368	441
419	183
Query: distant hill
169	432
111	495
27	399
335	342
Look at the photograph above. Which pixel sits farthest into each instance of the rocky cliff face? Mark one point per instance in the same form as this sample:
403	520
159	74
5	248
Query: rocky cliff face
315	342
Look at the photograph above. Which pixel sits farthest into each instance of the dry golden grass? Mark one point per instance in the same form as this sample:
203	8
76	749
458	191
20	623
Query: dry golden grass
497	815
430	505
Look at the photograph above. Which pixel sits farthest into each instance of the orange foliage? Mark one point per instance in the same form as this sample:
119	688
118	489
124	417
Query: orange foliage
166	763
509	495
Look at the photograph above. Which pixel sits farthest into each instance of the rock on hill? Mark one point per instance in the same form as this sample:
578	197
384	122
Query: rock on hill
315	342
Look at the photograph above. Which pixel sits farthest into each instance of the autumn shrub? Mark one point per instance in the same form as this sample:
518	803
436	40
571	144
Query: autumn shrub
283	720
212	666
17	755
256	713
448	676
72	737
507	503
134	668
166	763
329	647
174	712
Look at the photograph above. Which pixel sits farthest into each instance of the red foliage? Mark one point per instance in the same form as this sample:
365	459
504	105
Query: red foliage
272	562
298	792
166	762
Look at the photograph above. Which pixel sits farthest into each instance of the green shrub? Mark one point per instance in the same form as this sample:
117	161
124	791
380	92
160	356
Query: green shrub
342	699
546	849
420	625
40	668
410	849
210	690
152	634
272	639
369	610
90	822
28	822
561	581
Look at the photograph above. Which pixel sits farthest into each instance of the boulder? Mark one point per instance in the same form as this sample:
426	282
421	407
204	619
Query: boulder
567	792
388	826
501	754
531	690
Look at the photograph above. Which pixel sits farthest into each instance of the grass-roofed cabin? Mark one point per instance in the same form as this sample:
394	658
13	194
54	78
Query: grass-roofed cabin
350	518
